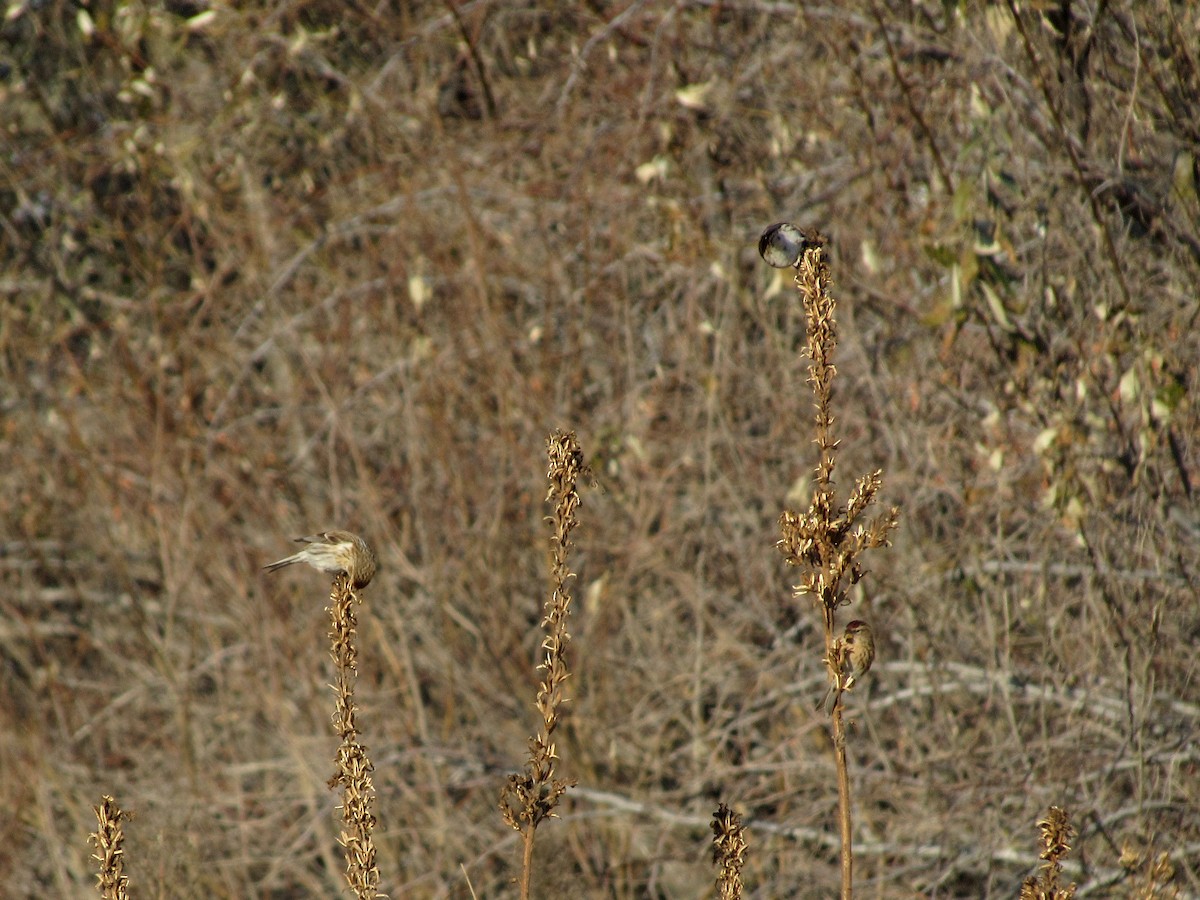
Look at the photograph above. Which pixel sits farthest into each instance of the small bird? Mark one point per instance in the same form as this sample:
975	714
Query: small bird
783	244
856	651
859	643
336	553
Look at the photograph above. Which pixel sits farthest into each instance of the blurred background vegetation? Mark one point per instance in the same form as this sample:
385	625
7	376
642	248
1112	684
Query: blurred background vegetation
299	265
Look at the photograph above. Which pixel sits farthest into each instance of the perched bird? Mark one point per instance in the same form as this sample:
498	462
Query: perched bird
334	552
859	644
856	650
783	244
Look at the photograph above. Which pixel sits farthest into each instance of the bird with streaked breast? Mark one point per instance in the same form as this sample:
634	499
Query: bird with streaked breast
335	553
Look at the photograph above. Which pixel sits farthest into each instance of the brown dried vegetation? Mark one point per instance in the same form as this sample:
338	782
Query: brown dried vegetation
274	268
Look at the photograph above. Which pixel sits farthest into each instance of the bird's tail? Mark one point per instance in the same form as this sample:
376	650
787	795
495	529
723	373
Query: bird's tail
823	704
286	561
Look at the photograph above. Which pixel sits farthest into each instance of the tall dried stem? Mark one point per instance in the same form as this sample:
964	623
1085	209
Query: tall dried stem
354	766
531	796
827	541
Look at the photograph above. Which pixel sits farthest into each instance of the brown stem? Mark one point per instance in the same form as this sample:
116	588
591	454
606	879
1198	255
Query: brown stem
914	108
527	862
489	101
843	776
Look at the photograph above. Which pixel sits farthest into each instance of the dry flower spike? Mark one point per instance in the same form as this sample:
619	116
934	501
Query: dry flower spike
729	852
1056	833
109	838
530	797
826	542
353	765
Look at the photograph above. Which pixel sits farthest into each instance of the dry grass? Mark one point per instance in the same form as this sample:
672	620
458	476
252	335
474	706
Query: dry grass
282	268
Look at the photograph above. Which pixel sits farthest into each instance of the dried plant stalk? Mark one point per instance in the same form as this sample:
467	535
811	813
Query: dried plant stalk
1152	873
531	796
1056	834
354	766
108	838
827	542
729	852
